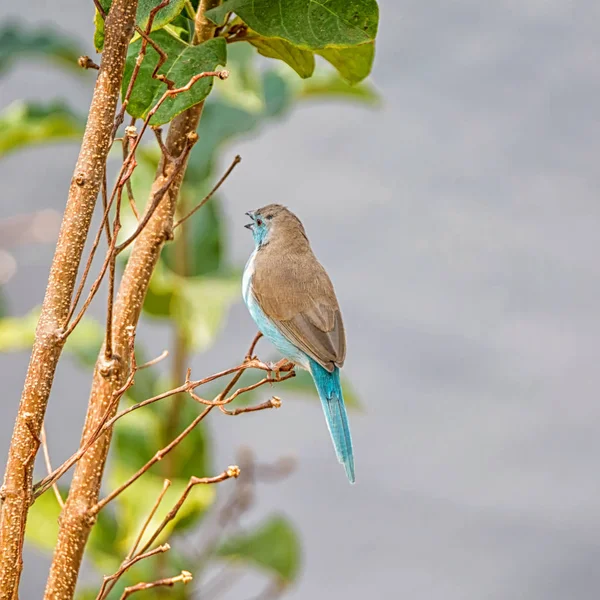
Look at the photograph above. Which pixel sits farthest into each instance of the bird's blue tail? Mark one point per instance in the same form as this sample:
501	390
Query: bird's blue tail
330	392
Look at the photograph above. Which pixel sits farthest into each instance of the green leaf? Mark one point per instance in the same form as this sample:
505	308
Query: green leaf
49	44
310	25
274	546
24	124
163	17
203	235
201	304
353	63
302	61
304	384
145	88
192	61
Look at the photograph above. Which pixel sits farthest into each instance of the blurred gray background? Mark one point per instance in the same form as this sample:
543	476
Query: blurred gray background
460	226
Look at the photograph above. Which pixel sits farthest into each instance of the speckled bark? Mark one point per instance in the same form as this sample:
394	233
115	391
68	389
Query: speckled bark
83	192
75	524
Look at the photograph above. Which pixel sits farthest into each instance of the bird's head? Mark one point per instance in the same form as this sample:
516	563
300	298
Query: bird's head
271	221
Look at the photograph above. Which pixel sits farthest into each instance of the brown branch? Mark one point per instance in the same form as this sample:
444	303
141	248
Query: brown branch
112	579
274	402
206	198
184	577
231	471
138	63
75	524
85	185
166	485
85	62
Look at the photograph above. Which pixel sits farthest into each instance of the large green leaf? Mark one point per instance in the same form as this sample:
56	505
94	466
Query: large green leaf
145	88
163	17
310	25
354	63
302	61
274	546
23	124
49	44
191	61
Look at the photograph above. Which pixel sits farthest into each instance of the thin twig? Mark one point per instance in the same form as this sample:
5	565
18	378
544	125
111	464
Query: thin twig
236	161
166	485
232	471
112	579
184	577
49	465
138	63
154	361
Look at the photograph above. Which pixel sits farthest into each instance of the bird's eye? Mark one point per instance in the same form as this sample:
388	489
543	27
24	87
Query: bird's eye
269	217
259	222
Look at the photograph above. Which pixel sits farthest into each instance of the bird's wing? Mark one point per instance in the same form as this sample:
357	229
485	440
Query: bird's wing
295	292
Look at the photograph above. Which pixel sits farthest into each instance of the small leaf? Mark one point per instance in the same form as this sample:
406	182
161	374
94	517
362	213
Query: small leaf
145	87
274	546
193	60
302	61
163	17
303	383
24	124
353	63
16	41
310	25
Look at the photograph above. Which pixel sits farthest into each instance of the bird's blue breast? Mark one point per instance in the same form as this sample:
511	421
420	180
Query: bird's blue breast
264	324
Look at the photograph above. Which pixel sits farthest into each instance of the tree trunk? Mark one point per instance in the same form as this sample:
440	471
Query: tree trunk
85	185
76	520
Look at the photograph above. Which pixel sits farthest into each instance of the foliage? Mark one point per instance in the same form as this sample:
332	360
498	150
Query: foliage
194	302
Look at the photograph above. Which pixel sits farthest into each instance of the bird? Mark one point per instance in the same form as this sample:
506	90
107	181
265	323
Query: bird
292	301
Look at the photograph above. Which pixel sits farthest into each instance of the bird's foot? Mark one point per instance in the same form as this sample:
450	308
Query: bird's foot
279	367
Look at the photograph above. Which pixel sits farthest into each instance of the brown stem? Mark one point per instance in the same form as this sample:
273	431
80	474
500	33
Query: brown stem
85	185
76	519
184	577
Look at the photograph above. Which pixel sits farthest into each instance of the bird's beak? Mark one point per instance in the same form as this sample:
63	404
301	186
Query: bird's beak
250	226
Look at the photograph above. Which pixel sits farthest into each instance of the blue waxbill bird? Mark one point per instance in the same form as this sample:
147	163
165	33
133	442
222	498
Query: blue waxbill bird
292	301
